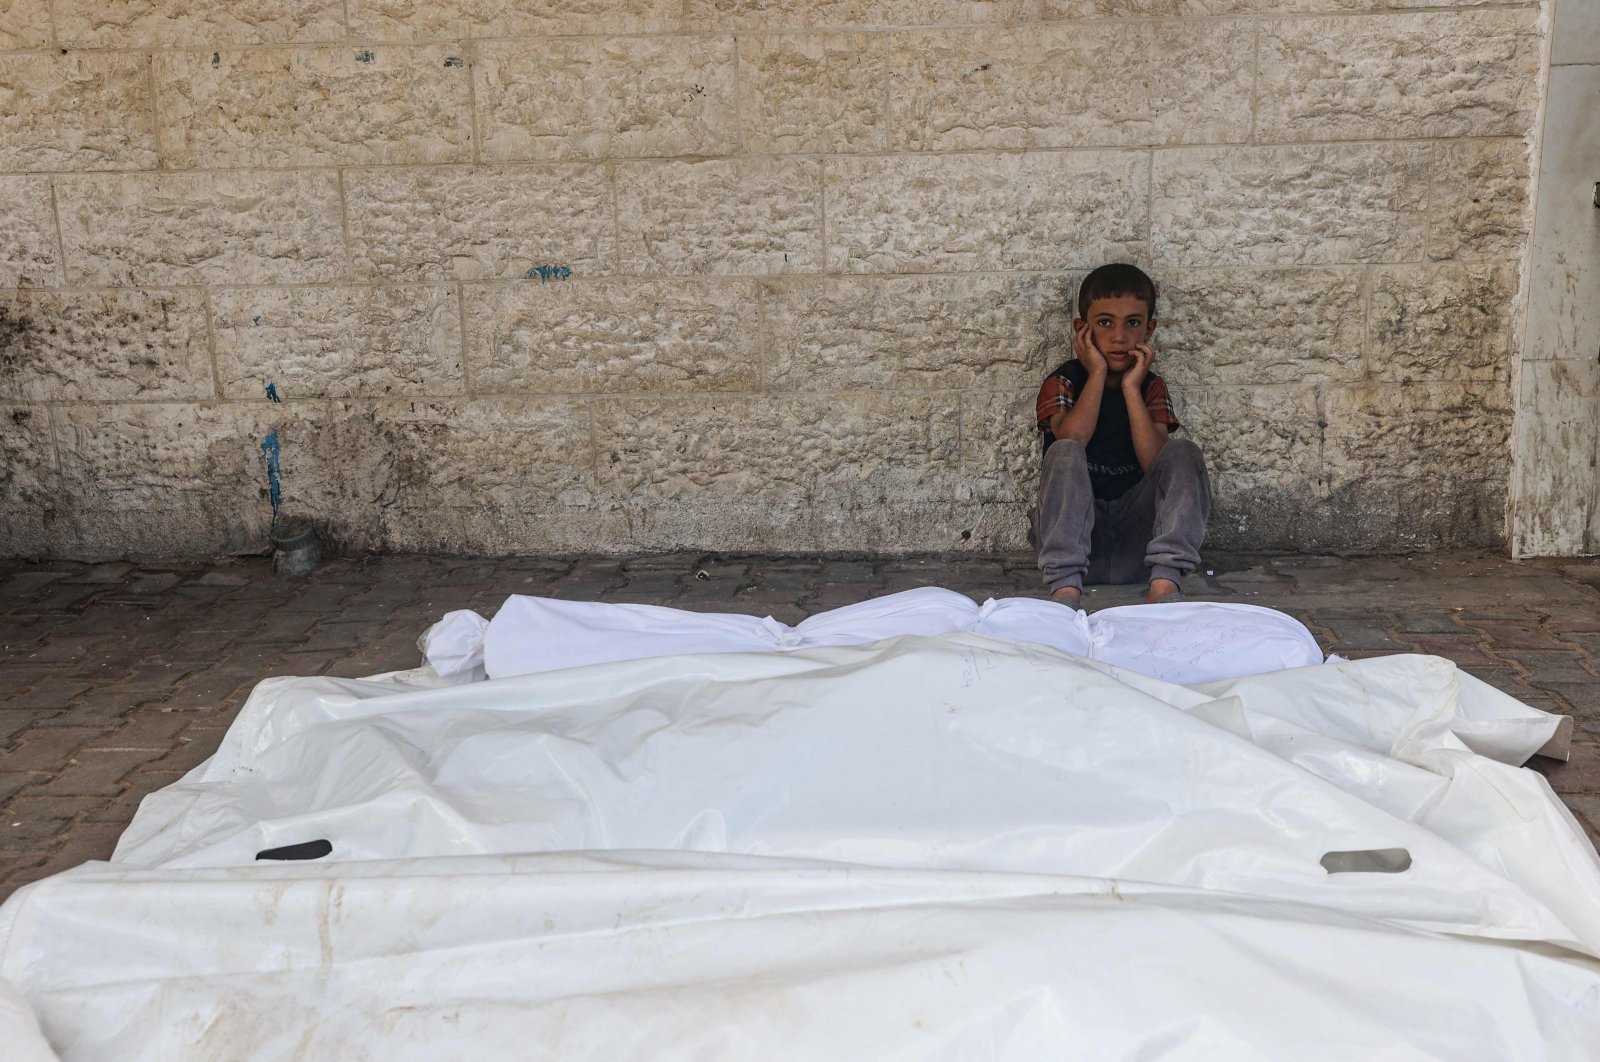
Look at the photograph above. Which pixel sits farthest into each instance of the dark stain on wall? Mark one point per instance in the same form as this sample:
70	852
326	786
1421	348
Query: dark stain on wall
15	328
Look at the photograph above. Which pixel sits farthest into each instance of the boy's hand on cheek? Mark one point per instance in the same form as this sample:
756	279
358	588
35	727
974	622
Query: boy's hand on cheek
1083	346
1143	355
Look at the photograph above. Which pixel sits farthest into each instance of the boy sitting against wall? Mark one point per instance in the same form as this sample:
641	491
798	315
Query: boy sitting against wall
1117	497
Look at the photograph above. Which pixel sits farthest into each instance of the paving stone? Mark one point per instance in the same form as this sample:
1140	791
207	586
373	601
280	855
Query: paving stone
1360	632
60	596
13	721
324	597
203	646
39	824
83	842
1525	633
99	707
145	585
63	650
152	679
25	585
108	572
1580	774
95	773
225	575
1558	662
151	728
1583	697
111	618
1430	623
212	690
833	595
13	780
48	748
18	868
48	693
1507	680
311	661
1464	651
281	625
189	752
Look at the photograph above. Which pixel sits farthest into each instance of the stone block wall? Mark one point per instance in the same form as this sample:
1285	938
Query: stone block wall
627	275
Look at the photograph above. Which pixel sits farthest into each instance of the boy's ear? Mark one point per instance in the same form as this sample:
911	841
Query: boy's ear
1149	328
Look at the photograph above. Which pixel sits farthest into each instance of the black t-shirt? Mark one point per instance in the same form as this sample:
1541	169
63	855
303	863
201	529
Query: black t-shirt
1113	462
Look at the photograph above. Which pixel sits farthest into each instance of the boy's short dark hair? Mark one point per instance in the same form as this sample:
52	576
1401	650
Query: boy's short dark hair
1115	279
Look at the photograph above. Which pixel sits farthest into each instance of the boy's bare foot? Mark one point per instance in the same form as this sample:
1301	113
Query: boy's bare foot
1067	595
1162	590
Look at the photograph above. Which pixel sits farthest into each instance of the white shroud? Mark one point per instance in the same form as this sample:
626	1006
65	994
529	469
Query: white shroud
946	846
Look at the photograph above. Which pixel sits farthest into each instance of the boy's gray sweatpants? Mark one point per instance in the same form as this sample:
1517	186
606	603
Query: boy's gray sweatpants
1153	531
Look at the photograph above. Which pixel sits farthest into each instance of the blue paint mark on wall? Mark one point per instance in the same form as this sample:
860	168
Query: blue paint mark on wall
365	56
272	392
453	60
256	319
550	272
274	454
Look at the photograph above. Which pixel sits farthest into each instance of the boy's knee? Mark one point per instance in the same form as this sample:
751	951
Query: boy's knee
1181	454
1066	450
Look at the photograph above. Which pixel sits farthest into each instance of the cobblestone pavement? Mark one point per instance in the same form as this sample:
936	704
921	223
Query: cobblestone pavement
116	678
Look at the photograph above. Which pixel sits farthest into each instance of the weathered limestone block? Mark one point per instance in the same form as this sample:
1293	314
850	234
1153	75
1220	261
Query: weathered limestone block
584	337
607	97
1054	9
214	23
28	487
1001	450
341	342
1449	322
142	475
136	473
1327	203
64	346
960	213
1479	206
496	453
30	254
479	224
28	461
1433	436
1069	85
434	19
226	228
913	333
1254	434
1262	447
757	215
1423	75
313	106
538	523
813	92
1258	326
1556	459
885	450
25	24
82	111
812	14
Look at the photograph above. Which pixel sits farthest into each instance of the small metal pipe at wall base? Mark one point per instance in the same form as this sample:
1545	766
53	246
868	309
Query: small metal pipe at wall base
295	547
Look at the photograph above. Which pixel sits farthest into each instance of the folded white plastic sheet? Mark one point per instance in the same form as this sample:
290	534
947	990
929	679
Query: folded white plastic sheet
953	846
1192	642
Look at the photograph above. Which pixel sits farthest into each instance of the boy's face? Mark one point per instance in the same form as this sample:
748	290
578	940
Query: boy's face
1117	323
